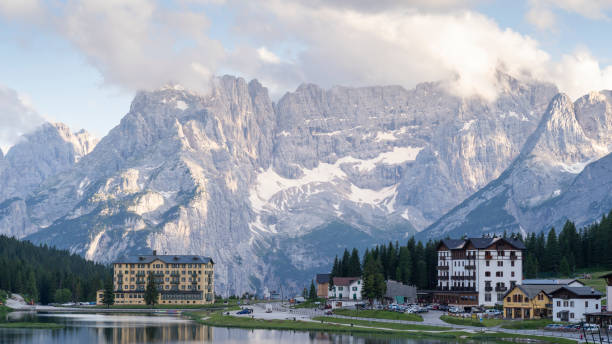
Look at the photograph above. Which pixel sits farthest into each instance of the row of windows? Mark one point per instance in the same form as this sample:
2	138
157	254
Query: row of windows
167	287
571	304
142	266
500	297
168	272
197	296
498	274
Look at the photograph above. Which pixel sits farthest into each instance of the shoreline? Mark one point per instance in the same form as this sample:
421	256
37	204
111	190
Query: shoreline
218	320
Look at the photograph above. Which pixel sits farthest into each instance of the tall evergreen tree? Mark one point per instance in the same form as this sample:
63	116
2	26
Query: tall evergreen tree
344	264
553	255
564	268
151	292
354	269
312	295
374	286
422	274
404	267
108	298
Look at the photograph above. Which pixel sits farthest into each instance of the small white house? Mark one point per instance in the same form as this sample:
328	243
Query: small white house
571	303
346	288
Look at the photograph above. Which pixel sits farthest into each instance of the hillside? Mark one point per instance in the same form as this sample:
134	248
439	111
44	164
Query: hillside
38	271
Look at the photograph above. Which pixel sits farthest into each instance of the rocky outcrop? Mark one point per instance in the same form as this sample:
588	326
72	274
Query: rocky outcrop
570	136
273	191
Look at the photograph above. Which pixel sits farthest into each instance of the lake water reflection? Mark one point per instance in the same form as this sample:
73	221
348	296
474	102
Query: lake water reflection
113	328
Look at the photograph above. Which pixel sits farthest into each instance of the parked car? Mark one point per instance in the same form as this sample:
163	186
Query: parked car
591	327
329	313
454	310
245	311
493	312
553	327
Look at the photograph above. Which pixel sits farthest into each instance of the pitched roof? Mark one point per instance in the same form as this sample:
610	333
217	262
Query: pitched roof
323	278
480	243
532	290
453	244
345	281
168	259
561	281
395	288
580	291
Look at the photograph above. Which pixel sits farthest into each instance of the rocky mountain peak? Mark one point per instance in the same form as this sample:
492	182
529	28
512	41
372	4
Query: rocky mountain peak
262	188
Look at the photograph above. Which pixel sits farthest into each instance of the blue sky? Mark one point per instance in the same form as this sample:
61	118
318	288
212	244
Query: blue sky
82	62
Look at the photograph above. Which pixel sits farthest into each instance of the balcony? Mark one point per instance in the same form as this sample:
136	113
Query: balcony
513	257
501	288
470	267
488	288
442	267
175	281
140	281
488	256
463	289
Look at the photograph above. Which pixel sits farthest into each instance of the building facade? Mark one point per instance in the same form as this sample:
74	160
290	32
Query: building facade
572	303
478	271
180	279
608	279
346	288
400	293
322	281
529	301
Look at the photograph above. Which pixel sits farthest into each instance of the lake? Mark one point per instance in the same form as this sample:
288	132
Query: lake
131	328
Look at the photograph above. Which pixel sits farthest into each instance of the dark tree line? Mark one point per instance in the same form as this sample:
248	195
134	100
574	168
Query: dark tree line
38	272
552	254
415	263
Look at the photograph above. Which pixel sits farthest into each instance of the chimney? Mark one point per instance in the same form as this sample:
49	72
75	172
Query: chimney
155	252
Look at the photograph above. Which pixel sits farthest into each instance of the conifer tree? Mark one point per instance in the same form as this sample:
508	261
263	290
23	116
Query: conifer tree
344	264
108	298
564	268
313	291
151	292
354	269
553	255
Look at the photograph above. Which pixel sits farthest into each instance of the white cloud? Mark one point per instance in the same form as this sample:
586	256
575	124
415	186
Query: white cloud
144	44
268	56
579	73
137	44
390	47
541	13
16	117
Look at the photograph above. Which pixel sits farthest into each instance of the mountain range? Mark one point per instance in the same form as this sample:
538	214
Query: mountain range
273	190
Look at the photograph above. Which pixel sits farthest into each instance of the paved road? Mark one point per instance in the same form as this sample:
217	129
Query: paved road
430	318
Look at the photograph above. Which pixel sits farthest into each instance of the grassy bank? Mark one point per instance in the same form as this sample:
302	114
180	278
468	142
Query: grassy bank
310	304
596	281
471	322
392	326
32	325
165	306
526	324
376	314
219	320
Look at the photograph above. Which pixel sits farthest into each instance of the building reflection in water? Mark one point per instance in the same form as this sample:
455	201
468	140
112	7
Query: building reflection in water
172	333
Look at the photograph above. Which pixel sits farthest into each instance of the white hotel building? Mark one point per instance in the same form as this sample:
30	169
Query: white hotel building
478	271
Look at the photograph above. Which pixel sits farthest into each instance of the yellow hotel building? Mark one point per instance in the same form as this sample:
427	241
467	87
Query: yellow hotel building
180	279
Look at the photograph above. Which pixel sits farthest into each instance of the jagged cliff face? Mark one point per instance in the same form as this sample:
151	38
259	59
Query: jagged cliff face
527	196
273	191
49	150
